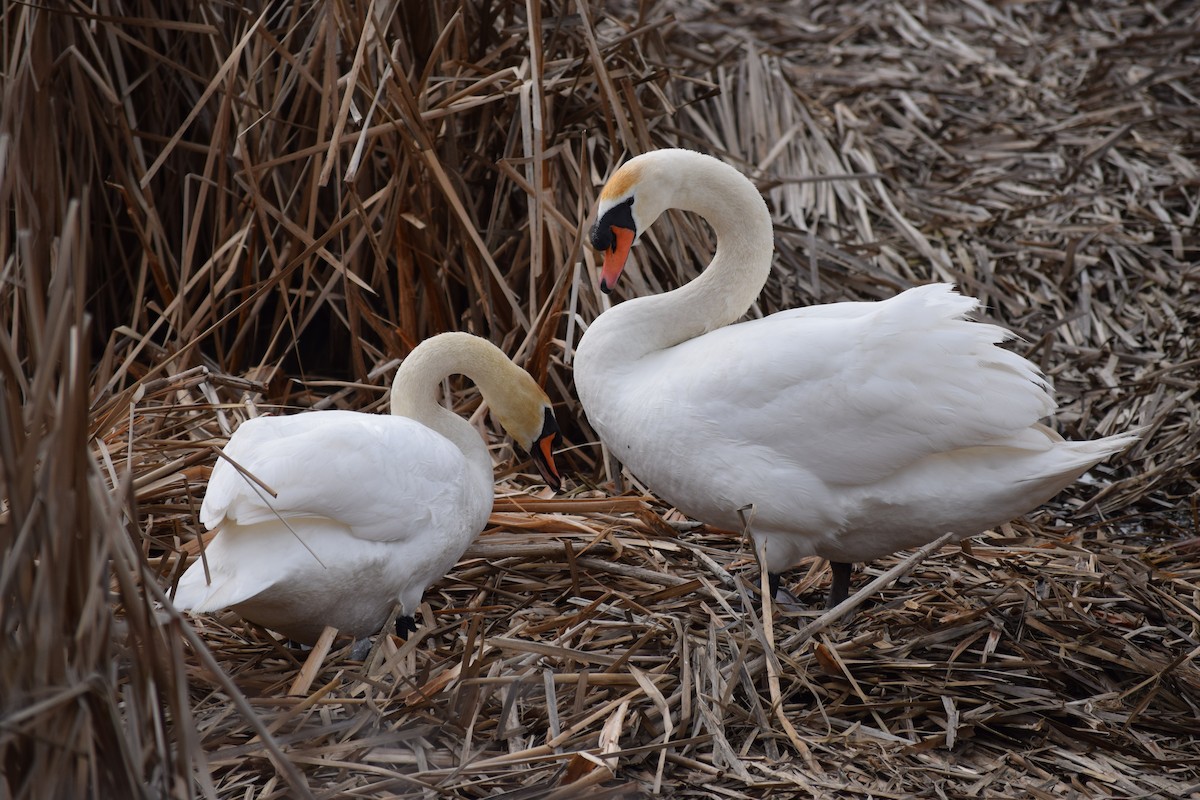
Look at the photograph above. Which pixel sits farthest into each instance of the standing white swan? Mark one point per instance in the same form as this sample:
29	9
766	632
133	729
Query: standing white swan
847	431
368	509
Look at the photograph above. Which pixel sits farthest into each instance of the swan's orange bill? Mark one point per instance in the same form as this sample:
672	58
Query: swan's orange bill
544	458
615	257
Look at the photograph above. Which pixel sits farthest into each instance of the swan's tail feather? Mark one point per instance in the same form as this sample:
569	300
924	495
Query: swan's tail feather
1076	457
1100	449
196	595
193	591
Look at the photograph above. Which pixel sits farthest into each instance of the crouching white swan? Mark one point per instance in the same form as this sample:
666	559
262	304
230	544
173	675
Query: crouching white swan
368	509
847	430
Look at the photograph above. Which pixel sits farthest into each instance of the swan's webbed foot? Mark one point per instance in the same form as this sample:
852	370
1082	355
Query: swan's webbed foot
360	650
772	591
405	625
839	588
783	599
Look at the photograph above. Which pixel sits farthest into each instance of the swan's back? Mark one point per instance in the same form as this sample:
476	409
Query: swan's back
385	477
367	510
852	392
852	429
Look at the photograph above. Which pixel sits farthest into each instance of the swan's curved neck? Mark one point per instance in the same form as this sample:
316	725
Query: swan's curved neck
415	388
724	291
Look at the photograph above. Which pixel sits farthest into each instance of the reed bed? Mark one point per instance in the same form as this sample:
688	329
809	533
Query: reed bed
213	211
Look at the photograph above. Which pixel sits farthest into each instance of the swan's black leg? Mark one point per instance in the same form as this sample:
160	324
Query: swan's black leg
839	589
404	626
773	584
360	649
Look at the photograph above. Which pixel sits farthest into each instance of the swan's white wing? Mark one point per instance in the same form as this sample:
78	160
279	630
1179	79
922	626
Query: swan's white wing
851	392
386	478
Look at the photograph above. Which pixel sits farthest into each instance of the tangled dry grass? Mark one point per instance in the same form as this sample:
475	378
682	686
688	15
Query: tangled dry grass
211	212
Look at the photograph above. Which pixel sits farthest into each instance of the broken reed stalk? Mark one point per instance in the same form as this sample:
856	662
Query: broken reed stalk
847	606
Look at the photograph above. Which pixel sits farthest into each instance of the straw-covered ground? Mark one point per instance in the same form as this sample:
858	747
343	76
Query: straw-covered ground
212	212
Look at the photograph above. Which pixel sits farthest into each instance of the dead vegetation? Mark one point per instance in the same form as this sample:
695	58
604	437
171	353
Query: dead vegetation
210	213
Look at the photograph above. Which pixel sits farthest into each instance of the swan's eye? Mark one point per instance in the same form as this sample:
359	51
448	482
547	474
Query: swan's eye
619	216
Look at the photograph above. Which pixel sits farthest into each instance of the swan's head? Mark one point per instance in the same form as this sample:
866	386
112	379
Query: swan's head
524	411
647	185
633	198
516	400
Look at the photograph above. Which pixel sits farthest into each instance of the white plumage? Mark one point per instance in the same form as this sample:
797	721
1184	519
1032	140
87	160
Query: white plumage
368	509
852	429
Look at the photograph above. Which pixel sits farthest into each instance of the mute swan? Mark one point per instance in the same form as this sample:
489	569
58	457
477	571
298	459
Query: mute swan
369	509
846	431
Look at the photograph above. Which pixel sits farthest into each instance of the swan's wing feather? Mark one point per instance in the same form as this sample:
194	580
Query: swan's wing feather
858	392
384	477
